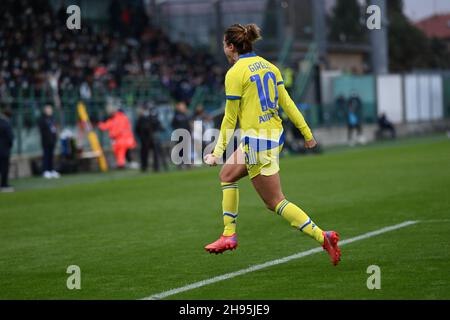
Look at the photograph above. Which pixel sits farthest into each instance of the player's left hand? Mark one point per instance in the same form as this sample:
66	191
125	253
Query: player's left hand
310	144
210	159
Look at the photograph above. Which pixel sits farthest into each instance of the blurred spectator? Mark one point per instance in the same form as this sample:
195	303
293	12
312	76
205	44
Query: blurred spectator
354	119
288	78
120	132
181	121
200	121
384	125
85	91
147	128
181	118
341	106
69	157
47	129
6	142
294	140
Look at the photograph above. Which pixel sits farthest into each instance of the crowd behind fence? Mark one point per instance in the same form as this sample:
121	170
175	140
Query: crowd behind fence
404	98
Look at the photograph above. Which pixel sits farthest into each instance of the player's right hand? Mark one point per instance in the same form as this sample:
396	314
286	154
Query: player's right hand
211	160
310	144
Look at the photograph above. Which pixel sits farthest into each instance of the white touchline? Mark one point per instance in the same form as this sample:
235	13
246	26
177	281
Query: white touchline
274	262
435	221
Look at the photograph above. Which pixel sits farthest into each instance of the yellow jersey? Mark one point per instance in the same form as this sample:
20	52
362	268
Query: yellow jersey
254	91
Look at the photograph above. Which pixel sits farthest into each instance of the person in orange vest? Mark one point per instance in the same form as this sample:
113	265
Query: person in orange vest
120	132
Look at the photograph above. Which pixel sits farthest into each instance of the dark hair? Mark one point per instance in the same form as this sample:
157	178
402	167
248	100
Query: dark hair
243	37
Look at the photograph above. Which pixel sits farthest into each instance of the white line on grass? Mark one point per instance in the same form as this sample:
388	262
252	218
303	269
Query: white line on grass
435	221
273	262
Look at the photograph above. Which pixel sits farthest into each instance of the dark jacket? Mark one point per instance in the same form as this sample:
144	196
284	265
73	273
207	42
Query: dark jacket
146	127
6	137
47	129
181	121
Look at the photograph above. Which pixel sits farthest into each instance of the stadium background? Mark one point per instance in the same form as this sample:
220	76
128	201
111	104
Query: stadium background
158	53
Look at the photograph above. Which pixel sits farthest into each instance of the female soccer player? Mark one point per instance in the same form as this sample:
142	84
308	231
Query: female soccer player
254	89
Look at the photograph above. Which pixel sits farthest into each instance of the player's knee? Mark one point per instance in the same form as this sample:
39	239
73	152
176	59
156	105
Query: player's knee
226	176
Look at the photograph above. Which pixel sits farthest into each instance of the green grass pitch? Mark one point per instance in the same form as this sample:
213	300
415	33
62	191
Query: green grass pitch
139	235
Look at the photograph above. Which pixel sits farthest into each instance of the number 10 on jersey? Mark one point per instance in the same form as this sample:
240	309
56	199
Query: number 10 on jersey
264	92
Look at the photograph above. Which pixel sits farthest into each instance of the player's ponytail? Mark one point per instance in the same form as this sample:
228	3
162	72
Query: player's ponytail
243	37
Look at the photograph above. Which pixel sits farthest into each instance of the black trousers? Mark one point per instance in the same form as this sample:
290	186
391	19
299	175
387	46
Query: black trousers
128	156
158	157
144	156
351	128
389	128
47	159
4	170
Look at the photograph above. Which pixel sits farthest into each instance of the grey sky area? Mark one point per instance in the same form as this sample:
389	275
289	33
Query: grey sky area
414	9
419	9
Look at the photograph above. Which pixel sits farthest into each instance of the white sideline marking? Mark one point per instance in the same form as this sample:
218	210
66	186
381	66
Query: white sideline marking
435	221
273	262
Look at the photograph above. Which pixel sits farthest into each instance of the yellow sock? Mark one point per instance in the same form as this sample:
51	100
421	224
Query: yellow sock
299	219
230	205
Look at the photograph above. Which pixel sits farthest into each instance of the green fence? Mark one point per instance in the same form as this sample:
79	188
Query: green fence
361	86
209	98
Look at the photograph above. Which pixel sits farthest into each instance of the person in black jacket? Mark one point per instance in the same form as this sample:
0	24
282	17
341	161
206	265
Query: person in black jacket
146	129
6	142
181	120
384	125
47	128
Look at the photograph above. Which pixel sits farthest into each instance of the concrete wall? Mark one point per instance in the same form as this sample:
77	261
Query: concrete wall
423	97
390	97
338	135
